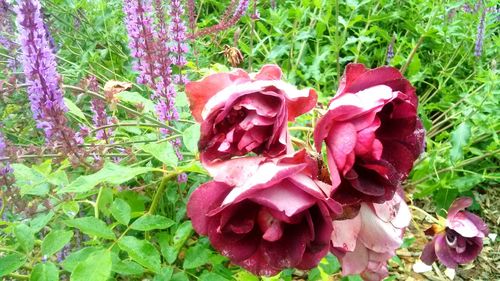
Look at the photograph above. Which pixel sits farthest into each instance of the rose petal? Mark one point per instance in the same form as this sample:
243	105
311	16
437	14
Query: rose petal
342	140
234	171
269	72
443	252
373	77
345	233
355	262
199	92
428	255
205	198
473	247
479	223
458	205
461	224
376	234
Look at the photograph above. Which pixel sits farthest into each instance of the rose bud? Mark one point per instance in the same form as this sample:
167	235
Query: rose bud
241	113
365	242
279	216
372	134
459	240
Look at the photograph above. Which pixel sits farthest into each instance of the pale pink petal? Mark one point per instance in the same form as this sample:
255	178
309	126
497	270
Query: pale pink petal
355	262
463	225
342	141
458	205
376	234
345	233
234	171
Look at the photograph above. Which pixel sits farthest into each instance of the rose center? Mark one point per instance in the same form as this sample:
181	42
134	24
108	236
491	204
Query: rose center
271	227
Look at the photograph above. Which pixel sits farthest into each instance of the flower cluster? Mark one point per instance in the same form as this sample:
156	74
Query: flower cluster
98	108
39	64
268	206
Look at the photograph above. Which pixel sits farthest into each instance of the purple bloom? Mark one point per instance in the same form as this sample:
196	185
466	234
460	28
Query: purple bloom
480	35
178	30
182	178
458	242
5	168
390	50
39	64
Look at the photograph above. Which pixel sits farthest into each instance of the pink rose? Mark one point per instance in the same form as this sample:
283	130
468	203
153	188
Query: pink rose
278	216
458	242
365	242
372	134
241	113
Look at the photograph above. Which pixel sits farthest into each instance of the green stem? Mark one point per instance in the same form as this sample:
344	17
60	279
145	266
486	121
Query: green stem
159	193
18	276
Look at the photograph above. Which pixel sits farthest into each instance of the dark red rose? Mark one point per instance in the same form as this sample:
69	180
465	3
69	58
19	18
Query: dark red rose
372	134
241	113
277	217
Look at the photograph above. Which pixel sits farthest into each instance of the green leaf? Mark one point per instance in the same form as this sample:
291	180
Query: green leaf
92	226
10	263
97	267
464	184
30	181
111	173
164	275
121	211
330	264
210	276
45	272
196	256
459	139
179	276
244	275
25	236
191	136
150	222
163	151
70	208
182	233
41	221
141	251
55	241
74	109
125	267
135	99
71	261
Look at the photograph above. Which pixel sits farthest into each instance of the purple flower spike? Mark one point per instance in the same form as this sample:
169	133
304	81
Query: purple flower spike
178	30
478	48
460	241
45	93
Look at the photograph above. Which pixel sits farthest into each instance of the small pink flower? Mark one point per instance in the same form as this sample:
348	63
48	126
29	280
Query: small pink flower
276	217
241	113
372	134
365	242
459	241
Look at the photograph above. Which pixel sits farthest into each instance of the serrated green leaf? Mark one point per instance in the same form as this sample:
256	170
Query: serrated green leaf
92	226
25	237
11	263
163	151
191	136
55	241
196	256
30	181
164	275
150	222
41	221
459	139
71	261
110	173
121	211
142	252
45	272
136	99
211	276
70	208
97	267
125	267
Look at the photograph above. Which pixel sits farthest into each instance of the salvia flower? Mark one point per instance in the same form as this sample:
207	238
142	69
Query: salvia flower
179	47
478	48
5	168
39	66
459	240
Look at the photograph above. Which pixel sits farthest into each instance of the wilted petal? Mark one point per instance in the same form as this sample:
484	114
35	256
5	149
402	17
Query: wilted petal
429	253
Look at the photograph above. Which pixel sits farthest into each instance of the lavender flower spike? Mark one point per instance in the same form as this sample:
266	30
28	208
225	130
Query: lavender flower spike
39	64
480	35
178	30
5	169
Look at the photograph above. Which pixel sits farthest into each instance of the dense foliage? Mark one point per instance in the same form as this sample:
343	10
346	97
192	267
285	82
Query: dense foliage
96	186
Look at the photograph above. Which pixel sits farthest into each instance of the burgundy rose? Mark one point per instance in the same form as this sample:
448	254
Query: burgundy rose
372	134
277	217
365	242
460	240
241	113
